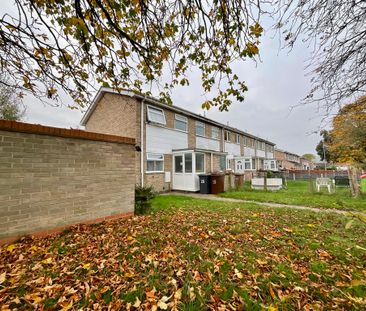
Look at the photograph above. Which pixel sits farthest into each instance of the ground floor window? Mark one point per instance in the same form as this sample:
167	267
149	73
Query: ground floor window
222	163
155	162
200	162
247	164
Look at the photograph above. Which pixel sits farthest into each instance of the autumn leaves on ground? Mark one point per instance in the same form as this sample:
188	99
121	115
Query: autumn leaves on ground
192	255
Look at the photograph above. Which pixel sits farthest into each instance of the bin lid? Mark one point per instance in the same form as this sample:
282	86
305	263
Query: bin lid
217	174
204	174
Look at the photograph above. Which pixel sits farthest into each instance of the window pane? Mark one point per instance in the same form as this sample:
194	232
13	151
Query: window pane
159	166
222	163
150	166
181	125
215	133
188	162
200	166
178	164
156	115
253	164
247	164
200	129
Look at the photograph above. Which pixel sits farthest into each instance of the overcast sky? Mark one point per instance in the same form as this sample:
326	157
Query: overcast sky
275	84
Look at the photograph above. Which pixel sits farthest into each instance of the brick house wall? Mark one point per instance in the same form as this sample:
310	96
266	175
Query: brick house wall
125	109
51	178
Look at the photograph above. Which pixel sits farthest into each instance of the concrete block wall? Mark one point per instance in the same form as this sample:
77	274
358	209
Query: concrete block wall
51	178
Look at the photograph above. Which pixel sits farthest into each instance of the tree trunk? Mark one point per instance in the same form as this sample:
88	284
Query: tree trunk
353	181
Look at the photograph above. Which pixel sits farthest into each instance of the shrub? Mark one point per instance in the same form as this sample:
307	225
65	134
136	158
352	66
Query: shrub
143	197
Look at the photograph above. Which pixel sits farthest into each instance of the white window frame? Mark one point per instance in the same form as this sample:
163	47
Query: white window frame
198	123
181	118
156	109
247	160
237	138
154	157
214	129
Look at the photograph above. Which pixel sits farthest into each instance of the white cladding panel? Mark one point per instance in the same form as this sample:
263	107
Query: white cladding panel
270	155
163	140
232	149
261	153
249	152
207	143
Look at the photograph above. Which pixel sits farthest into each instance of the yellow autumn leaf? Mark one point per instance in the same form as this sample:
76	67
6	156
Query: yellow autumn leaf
10	248
67	306
261	262
2	277
272	308
178	294
238	274
86	266
162	305
288	230
47	261
137	303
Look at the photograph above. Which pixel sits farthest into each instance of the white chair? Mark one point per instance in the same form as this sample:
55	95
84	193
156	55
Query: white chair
325	183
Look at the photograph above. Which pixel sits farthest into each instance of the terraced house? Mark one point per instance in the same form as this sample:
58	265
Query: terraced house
174	145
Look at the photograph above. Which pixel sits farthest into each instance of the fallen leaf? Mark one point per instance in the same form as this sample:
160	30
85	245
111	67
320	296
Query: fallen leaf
349	224
137	303
47	261
261	262
162	305
238	274
271	292
288	230
178	294
2	277
10	248
150	294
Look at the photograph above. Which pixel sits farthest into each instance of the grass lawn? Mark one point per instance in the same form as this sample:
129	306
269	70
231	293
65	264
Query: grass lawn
298	194
192	255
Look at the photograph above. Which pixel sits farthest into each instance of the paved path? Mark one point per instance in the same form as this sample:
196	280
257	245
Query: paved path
267	204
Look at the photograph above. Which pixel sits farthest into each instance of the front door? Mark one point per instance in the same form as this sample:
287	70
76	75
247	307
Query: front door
184	175
239	166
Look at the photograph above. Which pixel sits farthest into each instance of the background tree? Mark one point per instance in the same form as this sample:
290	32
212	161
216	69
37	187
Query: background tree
336	32
309	156
348	144
76	45
322	148
10	105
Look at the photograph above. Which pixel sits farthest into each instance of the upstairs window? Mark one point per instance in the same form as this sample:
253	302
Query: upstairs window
155	162
156	115
200	129
237	138
215	132
181	123
245	141
227	136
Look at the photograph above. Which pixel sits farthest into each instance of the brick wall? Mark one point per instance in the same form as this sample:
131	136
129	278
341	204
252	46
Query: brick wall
51	178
